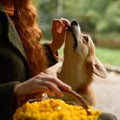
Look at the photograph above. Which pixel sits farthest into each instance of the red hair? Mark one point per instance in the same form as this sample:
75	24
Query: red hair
30	34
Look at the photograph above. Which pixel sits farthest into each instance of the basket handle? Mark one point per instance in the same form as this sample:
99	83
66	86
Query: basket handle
78	97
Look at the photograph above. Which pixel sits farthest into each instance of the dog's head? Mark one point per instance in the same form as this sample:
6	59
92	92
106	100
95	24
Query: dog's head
80	48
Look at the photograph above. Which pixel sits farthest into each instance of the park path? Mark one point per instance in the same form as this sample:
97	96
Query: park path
108	93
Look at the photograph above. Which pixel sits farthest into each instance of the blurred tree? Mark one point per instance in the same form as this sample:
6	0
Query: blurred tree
48	10
111	21
60	8
102	16
96	15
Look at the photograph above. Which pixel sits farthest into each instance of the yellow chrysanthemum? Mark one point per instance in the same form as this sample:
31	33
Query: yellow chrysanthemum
53	109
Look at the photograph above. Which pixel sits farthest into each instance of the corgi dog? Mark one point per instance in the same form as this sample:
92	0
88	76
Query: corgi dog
80	63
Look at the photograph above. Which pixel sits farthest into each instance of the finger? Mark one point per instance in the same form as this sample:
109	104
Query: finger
52	87
65	21
56	81
60	84
55	21
62	21
58	26
44	88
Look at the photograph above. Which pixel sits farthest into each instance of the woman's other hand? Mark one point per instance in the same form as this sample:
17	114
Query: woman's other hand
41	83
58	33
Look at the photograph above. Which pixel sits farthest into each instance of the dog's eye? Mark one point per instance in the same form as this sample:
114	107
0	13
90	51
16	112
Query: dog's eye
86	38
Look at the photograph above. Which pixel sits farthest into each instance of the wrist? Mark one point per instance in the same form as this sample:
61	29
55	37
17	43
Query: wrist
16	90
53	50
51	45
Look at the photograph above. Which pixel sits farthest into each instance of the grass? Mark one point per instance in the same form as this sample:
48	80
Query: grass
106	56
109	56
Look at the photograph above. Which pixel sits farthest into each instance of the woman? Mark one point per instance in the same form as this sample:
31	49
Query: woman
23	60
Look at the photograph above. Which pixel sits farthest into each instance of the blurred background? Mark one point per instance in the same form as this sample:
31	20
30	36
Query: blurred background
99	18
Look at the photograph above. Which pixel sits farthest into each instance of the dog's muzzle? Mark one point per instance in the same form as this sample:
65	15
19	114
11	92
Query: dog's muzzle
74	23
75	30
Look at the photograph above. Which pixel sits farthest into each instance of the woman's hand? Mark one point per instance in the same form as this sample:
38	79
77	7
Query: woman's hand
41	83
58	33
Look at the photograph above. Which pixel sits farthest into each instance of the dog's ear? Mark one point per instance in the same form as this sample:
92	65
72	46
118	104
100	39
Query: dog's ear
98	68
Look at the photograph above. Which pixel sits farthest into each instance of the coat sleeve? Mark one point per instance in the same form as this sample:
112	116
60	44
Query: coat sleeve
8	101
52	57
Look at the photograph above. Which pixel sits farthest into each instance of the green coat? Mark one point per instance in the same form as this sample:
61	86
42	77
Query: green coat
14	67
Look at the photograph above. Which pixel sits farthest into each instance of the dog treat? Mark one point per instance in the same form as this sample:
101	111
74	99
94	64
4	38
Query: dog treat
53	109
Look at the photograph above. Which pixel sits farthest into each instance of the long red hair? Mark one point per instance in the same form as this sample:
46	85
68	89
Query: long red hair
25	22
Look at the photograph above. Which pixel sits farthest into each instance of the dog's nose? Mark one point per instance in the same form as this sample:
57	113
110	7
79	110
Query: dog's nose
74	23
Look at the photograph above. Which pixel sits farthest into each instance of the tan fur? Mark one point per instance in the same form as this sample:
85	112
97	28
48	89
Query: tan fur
79	65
